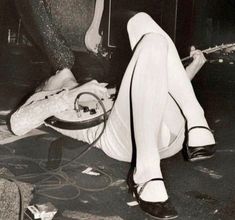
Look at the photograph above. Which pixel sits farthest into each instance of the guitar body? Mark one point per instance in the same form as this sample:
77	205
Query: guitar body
89	114
93	38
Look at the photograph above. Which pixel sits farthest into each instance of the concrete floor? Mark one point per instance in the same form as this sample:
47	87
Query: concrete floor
200	191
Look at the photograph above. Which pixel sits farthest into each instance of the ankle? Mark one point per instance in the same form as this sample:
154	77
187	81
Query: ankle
151	191
200	136
154	191
141	176
196	117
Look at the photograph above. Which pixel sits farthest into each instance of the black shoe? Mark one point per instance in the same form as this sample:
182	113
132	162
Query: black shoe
158	210
200	152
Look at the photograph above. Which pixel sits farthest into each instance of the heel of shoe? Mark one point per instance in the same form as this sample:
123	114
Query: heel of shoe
158	210
201	152
196	153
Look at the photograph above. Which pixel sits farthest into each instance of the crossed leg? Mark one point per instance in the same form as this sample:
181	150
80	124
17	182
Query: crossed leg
157	71
178	82
149	100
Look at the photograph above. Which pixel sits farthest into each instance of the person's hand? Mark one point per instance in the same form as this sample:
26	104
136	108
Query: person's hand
93	86
230	49
197	63
198	58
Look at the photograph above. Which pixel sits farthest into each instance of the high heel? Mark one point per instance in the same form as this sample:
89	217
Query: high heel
195	153
158	210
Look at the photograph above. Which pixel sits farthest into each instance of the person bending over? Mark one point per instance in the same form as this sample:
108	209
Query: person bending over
145	128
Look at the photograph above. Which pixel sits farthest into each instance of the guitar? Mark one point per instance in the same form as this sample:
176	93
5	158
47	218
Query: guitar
85	115
93	38
212	50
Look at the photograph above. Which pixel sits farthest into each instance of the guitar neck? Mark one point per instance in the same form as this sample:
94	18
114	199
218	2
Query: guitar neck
209	50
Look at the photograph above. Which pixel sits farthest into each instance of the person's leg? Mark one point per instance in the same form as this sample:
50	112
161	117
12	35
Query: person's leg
149	99
36	18
149	96
172	131
179	84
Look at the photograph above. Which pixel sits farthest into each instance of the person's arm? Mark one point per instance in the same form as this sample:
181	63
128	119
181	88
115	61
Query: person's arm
198	61
36	109
42	105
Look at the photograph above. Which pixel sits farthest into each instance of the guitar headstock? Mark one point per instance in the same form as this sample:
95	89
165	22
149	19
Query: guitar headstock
227	47
227	50
230	49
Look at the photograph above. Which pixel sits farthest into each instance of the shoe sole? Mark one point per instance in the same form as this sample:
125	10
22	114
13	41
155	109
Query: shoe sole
200	158
169	218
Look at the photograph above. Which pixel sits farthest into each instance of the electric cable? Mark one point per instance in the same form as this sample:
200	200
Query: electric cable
60	175
99	136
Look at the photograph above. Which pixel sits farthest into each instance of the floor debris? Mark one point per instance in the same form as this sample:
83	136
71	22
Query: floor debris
89	171
210	172
87	216
132	203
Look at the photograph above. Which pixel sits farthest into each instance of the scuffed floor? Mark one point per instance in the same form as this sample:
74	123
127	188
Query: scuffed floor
94	187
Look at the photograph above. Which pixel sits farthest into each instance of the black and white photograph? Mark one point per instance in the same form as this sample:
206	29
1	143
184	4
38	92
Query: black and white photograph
117	109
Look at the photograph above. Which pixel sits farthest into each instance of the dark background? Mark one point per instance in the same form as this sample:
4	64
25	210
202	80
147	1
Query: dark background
202	190
199	22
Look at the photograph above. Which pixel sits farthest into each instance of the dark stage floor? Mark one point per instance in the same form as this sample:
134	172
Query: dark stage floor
201	190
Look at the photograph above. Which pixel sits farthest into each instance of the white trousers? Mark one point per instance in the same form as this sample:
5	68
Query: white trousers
158	75
158	122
